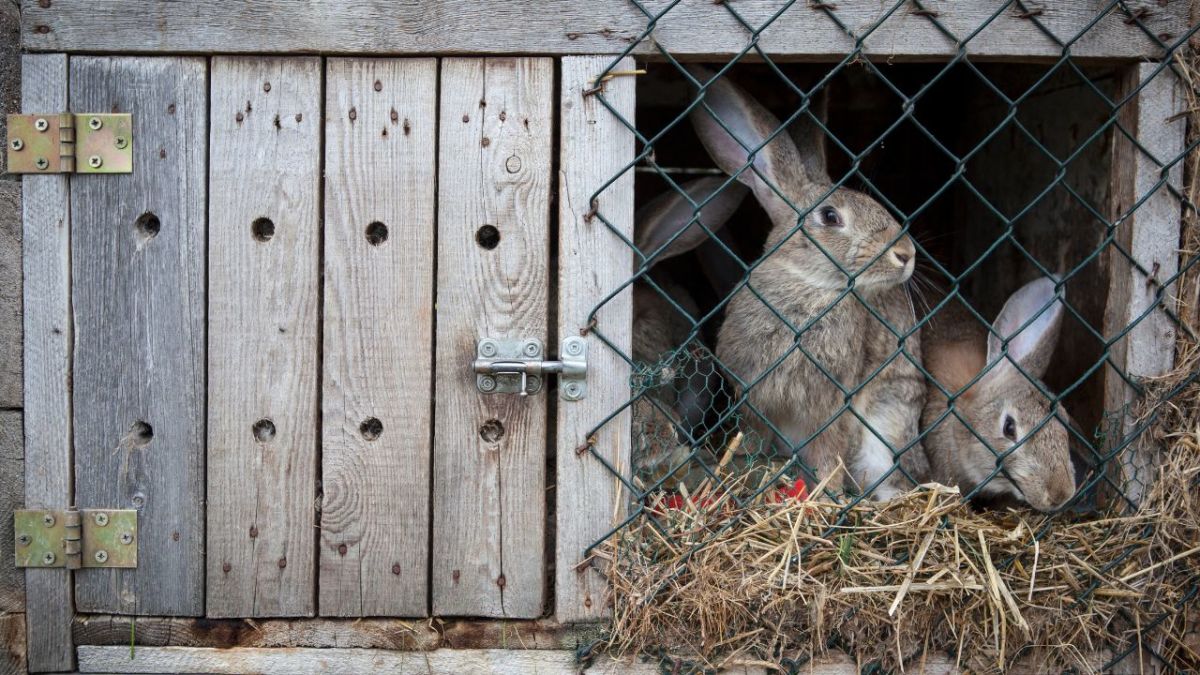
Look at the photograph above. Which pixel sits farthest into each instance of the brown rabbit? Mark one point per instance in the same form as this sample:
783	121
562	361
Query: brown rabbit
1004	407
670	412
805	324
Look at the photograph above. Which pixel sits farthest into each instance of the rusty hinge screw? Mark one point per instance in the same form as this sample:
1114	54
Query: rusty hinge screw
48	520
23	540
121	142
126	538
17	144
101	519
41	124
41	163
94	123
95	161
101	556
48	559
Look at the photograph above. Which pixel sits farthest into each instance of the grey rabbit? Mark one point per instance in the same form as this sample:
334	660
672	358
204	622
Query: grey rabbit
1004	407
807	287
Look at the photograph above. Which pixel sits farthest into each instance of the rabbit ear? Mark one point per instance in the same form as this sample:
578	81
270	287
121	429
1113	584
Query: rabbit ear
670	212
810	137
746	126
1033	346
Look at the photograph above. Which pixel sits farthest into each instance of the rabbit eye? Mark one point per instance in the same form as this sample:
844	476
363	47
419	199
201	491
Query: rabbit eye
1010	428
829	217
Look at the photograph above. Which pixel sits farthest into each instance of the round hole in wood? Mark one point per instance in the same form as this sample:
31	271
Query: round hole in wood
147	225
377	233
263	229
488	237
371	428
140	434
492	431
264	430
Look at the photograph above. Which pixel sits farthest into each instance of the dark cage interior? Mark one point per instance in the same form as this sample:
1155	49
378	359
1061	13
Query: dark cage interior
1000	172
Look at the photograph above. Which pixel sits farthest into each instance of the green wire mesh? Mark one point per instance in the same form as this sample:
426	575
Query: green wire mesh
676	455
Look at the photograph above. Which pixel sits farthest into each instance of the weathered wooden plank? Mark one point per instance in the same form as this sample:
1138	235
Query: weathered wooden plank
137	288
10	290
1150	236
593	262
46	237
381	134
13	660
396	634
263	321
490	450
690	28
347	661
12	497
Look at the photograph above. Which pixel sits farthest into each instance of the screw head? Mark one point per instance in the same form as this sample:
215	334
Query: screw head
94	123
101	519
101	556
533	384
487	383
532	350
48	520
121	142
95	161
41	163
48	558
24	540
573	390
487	348
16	144
41	124
574	347
126	538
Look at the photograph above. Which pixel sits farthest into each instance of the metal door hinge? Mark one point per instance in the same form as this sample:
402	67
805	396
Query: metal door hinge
75	538
516	367
70	143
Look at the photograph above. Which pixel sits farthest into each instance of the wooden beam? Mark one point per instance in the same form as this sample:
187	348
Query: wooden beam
264	291
394	634
1150	236
349	662
380	152
47	293
489	498
137	291
593	262
12	579
693	28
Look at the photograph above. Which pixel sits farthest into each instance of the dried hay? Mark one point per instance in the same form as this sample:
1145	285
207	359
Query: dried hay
777	583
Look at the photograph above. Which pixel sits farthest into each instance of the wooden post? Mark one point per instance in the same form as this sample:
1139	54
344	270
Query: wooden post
137	280
593	262
48	326
1150	235
263	256
489	500
380	152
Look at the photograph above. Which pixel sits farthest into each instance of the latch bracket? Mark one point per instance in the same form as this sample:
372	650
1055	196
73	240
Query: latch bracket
516	367
75	538
70	143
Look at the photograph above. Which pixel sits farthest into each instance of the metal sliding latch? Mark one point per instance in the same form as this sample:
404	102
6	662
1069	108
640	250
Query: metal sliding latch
70	143
516	367
75	538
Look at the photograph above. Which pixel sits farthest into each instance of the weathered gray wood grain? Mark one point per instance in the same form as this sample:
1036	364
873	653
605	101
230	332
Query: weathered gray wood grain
263	328
350	661
593	262
1150	236
13	655
690	28
368	633
489	499
12	497
138	301
46	236
10	293
380	145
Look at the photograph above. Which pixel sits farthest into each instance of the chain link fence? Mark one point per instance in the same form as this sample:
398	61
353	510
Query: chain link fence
856	342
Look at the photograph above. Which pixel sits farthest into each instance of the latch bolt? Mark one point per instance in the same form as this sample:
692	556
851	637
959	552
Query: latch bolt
516	367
